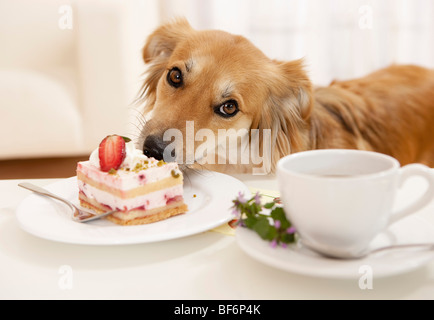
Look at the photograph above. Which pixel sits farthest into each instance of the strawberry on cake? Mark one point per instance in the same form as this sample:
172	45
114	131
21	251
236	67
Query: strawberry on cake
120	177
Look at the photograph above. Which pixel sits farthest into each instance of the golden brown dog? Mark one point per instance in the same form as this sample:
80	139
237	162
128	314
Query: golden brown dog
217	81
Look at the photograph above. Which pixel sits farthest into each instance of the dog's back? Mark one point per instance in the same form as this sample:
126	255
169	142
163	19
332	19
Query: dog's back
389	111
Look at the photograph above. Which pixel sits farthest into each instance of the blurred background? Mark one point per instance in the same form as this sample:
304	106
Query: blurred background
70	70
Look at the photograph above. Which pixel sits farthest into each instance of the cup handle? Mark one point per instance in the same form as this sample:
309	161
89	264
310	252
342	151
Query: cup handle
410	171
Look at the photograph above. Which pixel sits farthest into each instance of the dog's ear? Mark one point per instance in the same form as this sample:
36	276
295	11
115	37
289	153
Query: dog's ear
156	53
163	40
288	106
292	84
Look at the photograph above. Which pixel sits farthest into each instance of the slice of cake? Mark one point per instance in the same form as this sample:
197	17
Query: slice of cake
120	177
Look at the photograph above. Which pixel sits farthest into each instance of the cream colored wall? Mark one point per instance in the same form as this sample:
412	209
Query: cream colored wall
69	72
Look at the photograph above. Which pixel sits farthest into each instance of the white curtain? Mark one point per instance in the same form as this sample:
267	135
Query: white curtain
339	39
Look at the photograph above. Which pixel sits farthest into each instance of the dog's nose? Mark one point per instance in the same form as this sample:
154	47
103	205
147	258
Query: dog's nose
153	147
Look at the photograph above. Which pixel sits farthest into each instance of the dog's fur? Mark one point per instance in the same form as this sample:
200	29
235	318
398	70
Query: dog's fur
389	111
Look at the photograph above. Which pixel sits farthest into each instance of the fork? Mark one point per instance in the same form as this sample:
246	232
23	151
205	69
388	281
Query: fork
78	215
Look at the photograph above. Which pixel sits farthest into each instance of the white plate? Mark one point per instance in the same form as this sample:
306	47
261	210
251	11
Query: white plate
414	229
208	195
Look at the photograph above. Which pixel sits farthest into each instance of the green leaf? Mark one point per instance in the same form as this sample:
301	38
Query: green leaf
269	205
255	209
262	227
250	222
287	238
272	233
279	214
126	139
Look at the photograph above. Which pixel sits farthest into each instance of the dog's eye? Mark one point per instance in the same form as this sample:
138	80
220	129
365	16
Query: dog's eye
228	109
174	77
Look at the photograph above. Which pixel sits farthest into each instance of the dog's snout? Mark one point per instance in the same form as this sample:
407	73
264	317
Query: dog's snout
153	147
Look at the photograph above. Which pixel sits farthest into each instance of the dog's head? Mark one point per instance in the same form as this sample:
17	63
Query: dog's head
202	85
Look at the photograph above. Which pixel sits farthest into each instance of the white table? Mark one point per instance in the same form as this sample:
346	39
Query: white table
209	265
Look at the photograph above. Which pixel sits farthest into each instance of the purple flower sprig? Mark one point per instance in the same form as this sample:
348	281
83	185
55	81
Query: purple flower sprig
272	226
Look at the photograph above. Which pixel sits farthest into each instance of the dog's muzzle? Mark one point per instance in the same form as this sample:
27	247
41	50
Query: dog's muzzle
153	147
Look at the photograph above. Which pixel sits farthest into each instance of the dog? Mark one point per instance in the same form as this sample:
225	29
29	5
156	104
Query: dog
219	82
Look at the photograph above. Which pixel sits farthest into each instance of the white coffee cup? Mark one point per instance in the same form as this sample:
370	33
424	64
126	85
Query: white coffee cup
339	200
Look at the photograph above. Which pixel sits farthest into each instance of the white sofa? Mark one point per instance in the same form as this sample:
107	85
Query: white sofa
63	87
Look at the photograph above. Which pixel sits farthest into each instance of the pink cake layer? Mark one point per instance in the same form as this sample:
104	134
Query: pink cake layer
124	190
127	180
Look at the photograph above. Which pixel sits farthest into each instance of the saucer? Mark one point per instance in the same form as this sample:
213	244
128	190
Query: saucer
300	260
